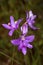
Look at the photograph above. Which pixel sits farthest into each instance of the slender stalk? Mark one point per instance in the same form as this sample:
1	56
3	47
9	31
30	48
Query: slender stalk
26	60
18	31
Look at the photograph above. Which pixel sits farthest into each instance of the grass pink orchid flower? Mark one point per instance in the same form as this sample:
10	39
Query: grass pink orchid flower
23	43
30	20
12	26
24	29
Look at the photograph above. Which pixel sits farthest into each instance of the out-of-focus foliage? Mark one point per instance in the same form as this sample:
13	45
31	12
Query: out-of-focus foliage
9	54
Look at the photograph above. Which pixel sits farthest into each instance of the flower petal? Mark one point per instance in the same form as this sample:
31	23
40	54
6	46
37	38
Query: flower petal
32	26
11	32
33	17
6	26
15	42
29	38
20	45
24	29
29	45
12	21
24	50
19	21
31	20
30	14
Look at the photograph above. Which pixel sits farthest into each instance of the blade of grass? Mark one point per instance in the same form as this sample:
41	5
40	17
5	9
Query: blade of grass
10	58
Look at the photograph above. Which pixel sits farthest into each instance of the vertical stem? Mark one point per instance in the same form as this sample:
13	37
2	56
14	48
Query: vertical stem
26	60
12	55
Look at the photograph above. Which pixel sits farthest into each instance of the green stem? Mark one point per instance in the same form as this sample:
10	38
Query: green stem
26	60
18	31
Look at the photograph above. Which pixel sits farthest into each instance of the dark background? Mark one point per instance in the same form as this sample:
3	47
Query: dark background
9	54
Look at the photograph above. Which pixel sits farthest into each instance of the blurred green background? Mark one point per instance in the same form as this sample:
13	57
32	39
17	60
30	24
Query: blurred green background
9	54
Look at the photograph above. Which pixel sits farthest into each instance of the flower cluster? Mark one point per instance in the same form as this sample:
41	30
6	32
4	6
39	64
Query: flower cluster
23	42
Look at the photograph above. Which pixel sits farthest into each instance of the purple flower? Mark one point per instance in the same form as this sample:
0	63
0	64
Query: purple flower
30	20
23	43
12	26
24	29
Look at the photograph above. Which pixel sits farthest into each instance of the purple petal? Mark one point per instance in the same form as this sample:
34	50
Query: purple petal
11	32
12	21
33	17
6	26
30	14
31	20
19	21
32	26
29	38
15	42
24	50
20	45
24	29
29	45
